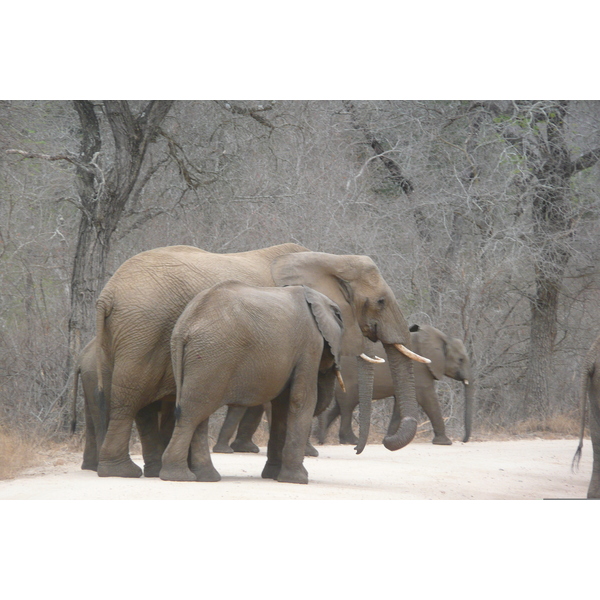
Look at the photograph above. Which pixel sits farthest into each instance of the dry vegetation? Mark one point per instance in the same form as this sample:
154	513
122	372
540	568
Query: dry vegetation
442	195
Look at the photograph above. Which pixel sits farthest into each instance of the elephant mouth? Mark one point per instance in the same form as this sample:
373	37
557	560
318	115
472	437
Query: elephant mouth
370	331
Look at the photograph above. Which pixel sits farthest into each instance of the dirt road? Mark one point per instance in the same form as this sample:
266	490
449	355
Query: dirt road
502	470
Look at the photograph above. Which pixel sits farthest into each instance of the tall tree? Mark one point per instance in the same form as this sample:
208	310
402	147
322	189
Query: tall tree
536	132
107	168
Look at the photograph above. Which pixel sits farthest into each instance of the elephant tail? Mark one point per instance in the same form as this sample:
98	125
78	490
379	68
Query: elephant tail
75	391
177	353
101	314
102	311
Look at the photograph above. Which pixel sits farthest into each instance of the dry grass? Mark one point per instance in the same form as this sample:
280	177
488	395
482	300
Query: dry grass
17	453
558	426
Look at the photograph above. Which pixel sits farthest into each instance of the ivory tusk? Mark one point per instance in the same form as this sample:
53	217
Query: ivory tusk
338	374
466	381
411	354
376	360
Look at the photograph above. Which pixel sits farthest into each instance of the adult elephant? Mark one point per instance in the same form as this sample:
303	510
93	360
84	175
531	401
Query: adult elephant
97	410
138	308
243	345
589	387
448	357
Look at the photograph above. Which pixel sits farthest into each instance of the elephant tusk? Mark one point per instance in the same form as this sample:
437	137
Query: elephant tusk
338	374
466	381
411	354
375	360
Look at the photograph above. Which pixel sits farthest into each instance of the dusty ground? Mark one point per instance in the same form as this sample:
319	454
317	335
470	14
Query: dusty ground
531	469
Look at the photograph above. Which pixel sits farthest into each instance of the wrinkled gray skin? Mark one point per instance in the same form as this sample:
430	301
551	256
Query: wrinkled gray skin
245	345
246	420
589	387
138	308
97	409
448	358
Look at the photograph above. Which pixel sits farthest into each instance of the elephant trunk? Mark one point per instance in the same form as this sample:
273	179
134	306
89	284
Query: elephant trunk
469	395
403	424
366	374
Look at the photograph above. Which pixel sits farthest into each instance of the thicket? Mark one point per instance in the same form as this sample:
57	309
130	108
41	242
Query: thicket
483	218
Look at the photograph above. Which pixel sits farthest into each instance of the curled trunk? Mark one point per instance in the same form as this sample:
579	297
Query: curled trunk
403	425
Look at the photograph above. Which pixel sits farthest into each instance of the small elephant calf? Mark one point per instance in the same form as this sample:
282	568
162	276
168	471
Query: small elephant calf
236	344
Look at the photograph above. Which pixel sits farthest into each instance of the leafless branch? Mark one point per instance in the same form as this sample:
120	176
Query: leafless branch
253	111
68	157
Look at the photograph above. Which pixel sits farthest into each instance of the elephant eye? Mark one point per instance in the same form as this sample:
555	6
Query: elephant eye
381	303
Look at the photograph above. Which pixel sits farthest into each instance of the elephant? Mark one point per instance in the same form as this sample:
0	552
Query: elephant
97	410
237	344
448	357
589	387
139	305
246	420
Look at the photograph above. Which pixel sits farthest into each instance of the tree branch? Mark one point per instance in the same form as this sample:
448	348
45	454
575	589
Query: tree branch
68	157
249	112
587	160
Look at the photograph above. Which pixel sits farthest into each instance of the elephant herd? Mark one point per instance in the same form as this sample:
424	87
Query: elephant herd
181	332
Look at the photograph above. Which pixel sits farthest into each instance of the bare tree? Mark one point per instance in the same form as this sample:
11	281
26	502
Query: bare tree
105	181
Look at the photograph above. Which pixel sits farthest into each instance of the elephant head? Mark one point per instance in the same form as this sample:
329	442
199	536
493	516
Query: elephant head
329	321
369	310
448	357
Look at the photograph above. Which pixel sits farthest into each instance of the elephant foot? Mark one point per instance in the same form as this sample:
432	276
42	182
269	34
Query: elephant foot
442	440
242	446
176	473
346	439
271	471
310	450
208	473
297	475
126	468
222	448
152	469
88	466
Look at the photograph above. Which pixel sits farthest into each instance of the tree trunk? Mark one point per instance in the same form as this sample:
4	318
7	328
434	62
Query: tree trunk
103	194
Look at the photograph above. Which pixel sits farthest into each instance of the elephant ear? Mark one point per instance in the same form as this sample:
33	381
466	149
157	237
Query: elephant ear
329	274
329	320
431	343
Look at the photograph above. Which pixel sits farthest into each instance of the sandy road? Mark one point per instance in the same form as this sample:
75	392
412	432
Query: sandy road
498	470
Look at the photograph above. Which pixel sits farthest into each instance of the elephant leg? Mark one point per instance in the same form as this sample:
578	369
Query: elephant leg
347	436
594	487
427	398
179	453
114	455
326	419
91	450
302	403
200	462
277	433
147	425
310	450
232	420
248	426
166	420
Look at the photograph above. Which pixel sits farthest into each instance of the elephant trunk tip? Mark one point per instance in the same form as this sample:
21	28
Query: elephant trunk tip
405	434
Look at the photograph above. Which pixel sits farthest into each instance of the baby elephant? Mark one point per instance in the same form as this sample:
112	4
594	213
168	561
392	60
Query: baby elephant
244	345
